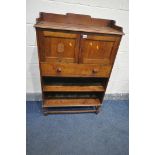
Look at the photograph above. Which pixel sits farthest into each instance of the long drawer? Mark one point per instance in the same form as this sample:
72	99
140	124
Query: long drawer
82	70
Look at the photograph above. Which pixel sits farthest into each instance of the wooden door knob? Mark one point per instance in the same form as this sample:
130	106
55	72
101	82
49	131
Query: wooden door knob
95	70
58	70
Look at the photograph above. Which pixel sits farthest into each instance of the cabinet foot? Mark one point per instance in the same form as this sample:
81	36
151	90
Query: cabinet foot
97	109
45	112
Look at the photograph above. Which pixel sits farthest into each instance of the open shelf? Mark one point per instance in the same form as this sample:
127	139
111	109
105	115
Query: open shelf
72	93
62	84
71	102
50	88
63	110
73	81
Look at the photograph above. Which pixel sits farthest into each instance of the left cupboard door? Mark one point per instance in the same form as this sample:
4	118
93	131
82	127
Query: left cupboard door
57	46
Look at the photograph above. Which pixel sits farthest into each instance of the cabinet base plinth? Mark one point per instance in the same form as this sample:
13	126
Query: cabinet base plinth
69	110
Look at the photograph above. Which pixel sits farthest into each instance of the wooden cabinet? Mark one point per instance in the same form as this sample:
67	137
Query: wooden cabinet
76	56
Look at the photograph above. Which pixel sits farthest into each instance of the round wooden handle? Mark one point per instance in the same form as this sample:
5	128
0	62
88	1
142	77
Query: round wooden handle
59	70
95	70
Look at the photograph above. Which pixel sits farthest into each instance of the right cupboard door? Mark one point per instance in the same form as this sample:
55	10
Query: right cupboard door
98	49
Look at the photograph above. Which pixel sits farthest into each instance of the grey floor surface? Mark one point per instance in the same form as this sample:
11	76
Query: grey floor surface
79	134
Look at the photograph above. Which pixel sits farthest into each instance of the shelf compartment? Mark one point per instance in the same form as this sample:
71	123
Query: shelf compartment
69	81
71	111
72	95
71	102
57	88
66	110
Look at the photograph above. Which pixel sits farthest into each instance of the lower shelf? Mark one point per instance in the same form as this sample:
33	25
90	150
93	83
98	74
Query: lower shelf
67	110
71	102
71	111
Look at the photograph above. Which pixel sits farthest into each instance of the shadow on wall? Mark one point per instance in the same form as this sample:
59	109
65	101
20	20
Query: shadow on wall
34	73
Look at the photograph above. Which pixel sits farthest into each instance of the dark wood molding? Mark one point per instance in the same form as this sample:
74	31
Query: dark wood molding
77	22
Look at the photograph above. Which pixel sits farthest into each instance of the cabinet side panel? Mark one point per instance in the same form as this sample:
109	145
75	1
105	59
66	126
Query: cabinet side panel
115	49
40	43
40	46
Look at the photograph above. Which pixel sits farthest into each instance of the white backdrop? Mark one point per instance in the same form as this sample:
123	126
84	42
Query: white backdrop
107	9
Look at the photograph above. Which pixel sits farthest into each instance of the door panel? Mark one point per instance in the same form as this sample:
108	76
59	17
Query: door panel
61	47
97	49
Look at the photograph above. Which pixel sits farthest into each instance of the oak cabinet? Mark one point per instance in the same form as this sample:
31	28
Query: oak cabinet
76	56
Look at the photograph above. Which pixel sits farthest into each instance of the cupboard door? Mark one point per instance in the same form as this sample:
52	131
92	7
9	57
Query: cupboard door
97	49
60	47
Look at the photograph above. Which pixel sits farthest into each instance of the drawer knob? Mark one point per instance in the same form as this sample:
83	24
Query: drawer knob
58	70
95	70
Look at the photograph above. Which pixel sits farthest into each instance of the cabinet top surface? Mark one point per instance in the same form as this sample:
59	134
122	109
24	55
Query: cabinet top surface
77	22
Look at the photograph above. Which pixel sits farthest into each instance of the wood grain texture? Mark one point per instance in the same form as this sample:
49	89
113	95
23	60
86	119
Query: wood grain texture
74	70
97	52
68	111
59	34
78	28
77	22
70	102
50	88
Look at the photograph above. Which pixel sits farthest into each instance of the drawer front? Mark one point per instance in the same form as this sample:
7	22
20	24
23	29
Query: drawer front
51	69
